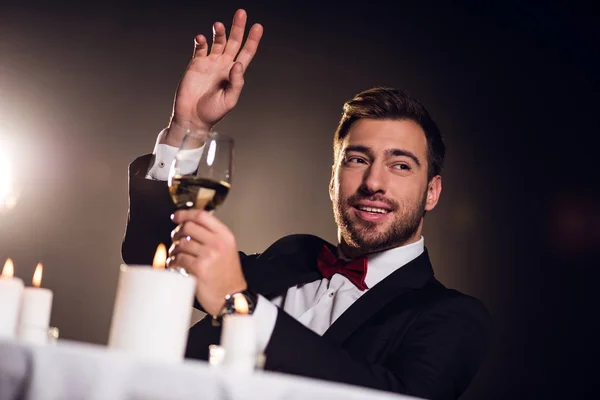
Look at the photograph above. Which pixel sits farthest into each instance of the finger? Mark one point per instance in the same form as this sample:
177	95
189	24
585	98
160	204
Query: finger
185	245
213	224
251	45
236	83
195	232
200	46
219	39
202	218
193	214
236	35
185	261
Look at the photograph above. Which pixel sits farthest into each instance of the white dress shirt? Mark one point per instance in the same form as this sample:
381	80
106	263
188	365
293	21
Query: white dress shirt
316	304
164	155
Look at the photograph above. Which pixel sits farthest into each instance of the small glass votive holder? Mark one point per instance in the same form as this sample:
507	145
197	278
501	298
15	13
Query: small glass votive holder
53	334
216	357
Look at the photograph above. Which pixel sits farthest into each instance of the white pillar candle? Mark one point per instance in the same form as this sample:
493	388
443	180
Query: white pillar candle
238	339
11	291
34	335
152	313
36	308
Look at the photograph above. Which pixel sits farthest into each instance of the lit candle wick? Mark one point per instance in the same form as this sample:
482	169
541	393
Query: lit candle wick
160	257
37	275
8	271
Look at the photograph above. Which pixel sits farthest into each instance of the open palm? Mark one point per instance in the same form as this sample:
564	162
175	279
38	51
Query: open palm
212	83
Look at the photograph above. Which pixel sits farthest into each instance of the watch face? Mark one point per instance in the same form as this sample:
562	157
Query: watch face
240	303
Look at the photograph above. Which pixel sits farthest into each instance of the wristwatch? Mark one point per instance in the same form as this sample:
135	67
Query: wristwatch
243	302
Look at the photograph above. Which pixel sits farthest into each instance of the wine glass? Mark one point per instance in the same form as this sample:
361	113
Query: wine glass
200	177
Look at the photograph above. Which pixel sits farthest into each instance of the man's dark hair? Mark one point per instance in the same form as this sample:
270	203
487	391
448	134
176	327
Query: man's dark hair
392	104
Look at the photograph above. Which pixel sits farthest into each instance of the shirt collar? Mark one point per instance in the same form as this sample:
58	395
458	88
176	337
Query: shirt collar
383	263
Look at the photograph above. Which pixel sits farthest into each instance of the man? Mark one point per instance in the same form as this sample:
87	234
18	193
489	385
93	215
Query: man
368	312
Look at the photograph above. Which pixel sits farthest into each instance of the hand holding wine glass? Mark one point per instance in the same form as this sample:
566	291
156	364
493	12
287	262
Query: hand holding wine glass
202	245
205	248
212	82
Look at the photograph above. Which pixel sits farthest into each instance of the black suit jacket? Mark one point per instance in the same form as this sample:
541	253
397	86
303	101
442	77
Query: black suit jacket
408	334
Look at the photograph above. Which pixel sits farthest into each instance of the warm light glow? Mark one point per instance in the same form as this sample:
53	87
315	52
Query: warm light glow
9	269
212	151
37	275
240	304
7	192
160	257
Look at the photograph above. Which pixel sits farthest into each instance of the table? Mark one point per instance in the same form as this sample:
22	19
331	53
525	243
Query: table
74	370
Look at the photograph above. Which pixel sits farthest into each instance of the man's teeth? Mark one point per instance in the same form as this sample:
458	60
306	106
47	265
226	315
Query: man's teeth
374	210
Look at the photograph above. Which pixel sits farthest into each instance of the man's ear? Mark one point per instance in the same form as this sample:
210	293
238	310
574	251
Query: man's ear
434	190
331	182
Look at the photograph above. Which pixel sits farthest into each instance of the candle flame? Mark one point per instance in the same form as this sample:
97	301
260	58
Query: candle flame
240	304
37	275
8	271
5	175
160	257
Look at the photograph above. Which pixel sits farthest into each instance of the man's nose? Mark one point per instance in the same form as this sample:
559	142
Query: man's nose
375	179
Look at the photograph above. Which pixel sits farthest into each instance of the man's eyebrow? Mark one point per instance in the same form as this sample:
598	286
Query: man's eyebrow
359	149
403	153
389	152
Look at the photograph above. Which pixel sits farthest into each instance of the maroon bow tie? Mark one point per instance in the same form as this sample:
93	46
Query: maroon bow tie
355	270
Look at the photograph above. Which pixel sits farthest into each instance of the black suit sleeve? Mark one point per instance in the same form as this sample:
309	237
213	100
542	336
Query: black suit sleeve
149	215
436	359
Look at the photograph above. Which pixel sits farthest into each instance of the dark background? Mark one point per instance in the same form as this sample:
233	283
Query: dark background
86	87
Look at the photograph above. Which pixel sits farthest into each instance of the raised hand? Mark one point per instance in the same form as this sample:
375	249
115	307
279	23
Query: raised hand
213	81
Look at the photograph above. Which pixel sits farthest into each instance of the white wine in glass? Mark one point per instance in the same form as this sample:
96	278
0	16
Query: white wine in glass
192	192
204	182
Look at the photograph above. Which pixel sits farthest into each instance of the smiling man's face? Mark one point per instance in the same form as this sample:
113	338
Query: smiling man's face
379	185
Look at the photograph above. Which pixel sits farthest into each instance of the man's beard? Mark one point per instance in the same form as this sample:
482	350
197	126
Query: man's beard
362	235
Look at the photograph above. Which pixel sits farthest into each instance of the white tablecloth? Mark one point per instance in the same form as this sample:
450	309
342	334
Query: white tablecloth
71	370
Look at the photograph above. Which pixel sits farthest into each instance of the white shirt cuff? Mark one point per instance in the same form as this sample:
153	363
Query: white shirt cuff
265	316
164	155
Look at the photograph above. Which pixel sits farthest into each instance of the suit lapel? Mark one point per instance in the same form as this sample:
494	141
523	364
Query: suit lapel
288	262
411	276
271	281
